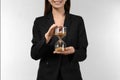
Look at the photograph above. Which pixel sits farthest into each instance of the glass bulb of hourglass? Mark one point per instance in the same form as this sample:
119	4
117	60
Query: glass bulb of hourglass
60	46
60	34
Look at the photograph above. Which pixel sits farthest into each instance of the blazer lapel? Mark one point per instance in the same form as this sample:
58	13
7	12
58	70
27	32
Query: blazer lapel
67	24
50	19
67	20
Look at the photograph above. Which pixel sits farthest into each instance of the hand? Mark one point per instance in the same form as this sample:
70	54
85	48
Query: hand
50	32
68	50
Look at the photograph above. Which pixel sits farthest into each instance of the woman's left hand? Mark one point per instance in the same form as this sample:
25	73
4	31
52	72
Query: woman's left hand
68	50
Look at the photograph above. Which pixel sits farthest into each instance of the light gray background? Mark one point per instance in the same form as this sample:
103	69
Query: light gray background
102	21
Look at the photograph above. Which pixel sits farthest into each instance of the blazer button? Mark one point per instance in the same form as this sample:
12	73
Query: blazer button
47	63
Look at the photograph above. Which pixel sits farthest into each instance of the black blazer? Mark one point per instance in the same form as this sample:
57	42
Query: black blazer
52	65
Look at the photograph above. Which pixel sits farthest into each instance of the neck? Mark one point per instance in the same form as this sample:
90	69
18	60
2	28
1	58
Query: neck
58	12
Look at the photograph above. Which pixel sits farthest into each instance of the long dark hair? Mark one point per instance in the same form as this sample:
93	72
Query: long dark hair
48	7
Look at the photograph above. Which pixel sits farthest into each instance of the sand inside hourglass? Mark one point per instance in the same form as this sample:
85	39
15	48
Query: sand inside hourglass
61	34
59	49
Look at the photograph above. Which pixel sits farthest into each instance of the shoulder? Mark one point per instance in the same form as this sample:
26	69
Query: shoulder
76	17
40	18
77	20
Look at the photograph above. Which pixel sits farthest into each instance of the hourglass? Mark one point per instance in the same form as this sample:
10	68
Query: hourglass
60	32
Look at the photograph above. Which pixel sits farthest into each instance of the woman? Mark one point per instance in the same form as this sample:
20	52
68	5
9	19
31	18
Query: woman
58	65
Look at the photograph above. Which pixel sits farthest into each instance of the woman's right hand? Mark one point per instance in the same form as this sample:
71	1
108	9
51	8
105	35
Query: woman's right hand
50	33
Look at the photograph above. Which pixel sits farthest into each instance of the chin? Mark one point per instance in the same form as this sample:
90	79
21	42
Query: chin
58	6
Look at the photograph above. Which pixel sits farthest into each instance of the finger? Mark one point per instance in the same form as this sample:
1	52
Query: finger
59	27
67	48
51	29
53	26
65	52
56	52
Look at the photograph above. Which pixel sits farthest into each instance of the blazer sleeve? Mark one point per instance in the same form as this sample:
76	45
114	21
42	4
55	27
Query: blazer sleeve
39	47
81	50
